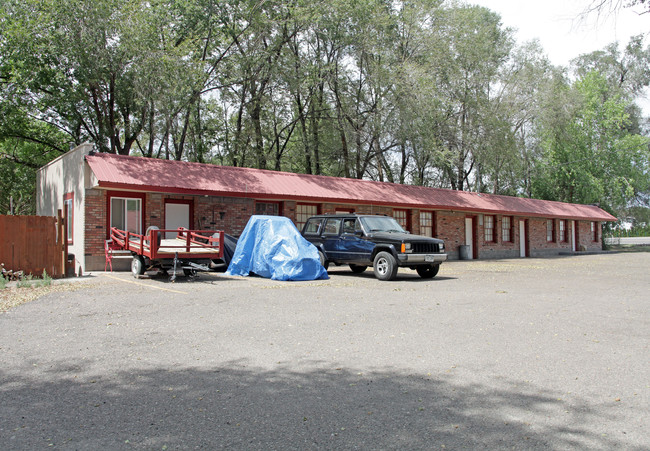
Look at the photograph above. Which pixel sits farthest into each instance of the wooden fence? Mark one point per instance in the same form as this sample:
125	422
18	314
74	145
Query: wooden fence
34	244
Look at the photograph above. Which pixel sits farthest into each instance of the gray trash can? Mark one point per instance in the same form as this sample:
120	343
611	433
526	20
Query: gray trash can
463	252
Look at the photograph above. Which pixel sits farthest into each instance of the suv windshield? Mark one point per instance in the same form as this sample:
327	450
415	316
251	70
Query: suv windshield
381	224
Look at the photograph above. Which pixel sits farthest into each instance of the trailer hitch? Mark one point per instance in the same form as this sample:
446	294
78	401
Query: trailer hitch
189	268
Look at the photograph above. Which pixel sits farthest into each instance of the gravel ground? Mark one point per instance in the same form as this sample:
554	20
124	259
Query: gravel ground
523	354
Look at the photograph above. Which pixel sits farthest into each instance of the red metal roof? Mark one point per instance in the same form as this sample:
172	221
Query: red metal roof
166	176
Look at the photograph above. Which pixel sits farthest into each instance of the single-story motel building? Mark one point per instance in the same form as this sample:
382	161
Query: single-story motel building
102	190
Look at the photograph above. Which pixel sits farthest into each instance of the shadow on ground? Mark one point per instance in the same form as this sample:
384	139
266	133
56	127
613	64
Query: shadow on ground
238	407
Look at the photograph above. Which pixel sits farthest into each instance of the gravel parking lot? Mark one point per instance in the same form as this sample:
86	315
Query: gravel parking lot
523	354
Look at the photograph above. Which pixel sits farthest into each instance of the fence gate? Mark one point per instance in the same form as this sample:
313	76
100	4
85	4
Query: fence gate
34	244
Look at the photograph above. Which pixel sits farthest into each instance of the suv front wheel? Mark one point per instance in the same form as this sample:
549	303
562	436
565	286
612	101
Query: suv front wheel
385	266
428	272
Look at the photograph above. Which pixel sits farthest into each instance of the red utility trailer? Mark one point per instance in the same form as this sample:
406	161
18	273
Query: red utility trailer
189	250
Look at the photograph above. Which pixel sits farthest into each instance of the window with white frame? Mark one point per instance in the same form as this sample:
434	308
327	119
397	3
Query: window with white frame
506	228
563	236
594	231
304	212
550	230
401	216
126	214
426	223
488	228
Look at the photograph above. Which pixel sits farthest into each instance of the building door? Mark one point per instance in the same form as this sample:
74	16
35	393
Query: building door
574	236
176	215
522	238
469	236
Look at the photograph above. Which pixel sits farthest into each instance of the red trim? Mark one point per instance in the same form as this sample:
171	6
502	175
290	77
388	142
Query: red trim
560	238
278	203
475	237
318	212
526	237
407	216
511	229
182	202
553	231
126	194
494	228
433	222
317	200
317	205
70	225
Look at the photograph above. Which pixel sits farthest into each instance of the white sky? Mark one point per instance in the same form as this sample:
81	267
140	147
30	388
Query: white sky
561	31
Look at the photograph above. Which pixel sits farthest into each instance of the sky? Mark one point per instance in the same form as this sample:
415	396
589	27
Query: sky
561	31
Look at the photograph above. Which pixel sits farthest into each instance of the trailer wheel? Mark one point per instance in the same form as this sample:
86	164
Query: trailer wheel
137	266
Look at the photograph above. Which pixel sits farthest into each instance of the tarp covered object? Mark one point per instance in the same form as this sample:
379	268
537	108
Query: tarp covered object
272	247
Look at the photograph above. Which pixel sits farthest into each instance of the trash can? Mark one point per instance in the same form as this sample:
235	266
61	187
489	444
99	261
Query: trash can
464	252
69	266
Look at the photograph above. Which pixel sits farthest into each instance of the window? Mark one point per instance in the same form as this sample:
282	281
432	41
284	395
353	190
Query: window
550	230
313	226
426	223
332	227
351	225
126	214
267	208
594	232
303	213
506	228
402	218
488	227
68	204
563	236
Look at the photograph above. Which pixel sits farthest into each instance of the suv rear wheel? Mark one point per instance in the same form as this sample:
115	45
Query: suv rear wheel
385	266
324	263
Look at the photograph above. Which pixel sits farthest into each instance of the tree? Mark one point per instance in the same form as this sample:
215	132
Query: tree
592	158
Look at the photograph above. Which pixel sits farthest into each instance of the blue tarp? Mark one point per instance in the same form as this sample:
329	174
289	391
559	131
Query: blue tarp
272	247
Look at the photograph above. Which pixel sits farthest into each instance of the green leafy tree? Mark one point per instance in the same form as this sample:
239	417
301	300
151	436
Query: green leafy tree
590	157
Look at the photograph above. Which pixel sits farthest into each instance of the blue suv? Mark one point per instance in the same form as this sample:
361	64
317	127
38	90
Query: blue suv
371	240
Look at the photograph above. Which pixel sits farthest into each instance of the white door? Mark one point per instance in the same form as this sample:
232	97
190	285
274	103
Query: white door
522	239
469	237
574	237
176	215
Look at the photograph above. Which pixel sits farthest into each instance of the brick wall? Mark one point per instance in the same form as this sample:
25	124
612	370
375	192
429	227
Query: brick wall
229	214
232	214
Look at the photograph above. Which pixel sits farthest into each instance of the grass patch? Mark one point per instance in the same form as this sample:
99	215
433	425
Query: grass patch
628	247
30	290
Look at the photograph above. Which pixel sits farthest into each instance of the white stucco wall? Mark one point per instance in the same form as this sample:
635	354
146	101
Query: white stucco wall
66	174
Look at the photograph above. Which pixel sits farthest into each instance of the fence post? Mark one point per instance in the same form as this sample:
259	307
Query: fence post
62	236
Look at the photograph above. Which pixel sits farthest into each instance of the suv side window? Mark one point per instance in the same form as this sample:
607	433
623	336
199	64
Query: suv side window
351	225
332	227
313	226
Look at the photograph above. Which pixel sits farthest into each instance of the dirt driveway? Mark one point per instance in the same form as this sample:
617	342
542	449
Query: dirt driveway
523	354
